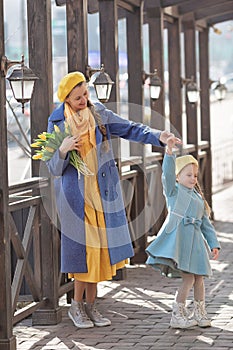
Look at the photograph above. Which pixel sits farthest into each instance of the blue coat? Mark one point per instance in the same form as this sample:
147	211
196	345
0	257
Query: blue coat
187	236
69	190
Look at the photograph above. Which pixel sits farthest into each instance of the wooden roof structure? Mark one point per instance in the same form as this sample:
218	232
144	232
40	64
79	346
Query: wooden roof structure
192	18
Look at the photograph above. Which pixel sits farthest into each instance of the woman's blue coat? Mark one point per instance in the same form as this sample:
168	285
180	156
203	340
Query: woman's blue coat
187	235
69	190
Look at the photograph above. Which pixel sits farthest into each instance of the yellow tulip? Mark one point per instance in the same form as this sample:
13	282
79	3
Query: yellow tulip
42	137
56	128
37	156
35	144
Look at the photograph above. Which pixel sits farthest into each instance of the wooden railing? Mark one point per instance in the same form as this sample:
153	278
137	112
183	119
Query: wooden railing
24	229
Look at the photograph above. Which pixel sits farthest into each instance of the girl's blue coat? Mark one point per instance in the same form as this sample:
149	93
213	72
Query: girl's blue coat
69	189
187	235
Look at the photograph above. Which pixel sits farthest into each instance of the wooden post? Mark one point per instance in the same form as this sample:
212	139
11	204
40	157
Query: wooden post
174	68
136	102
40	59
190	70
7	340
109	43
77	38
109	57
156	48
155	19
205	109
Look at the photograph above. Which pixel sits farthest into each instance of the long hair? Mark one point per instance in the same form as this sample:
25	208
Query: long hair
101	126
199	190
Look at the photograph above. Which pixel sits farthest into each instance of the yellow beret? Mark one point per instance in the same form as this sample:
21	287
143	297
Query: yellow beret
68	82
182	161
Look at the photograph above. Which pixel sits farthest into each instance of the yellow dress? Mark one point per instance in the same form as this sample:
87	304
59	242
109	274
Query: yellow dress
97	255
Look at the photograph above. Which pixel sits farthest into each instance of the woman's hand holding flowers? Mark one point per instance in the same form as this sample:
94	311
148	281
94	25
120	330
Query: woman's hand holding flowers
69	143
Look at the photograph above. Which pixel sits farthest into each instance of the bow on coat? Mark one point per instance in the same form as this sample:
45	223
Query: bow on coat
193	221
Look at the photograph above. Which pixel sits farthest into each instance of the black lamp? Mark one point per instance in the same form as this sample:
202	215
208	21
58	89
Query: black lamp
101	81
21	79
155	84
192	89
220	91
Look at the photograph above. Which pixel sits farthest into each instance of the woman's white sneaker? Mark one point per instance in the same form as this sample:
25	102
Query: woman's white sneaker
78	315
95	316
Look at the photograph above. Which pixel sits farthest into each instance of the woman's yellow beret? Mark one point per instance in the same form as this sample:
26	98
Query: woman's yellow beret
67	83
182	161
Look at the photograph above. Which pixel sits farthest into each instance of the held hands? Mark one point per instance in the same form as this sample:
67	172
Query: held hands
172	141
68	144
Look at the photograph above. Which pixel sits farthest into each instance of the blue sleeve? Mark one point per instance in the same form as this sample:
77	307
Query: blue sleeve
168	174
130	130
209	233
57	165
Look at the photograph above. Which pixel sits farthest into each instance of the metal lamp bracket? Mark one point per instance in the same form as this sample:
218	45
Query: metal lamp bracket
6	64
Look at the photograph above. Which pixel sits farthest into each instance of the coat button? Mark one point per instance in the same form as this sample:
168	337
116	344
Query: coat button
103	174
106	192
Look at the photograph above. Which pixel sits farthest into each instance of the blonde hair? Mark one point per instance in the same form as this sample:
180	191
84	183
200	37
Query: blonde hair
199	190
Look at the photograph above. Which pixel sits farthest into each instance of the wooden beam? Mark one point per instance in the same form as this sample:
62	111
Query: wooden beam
93	6
153	8
125	5
171	11
219	19
192	6
77	41
209	12
201	24
60	2
121	13
166	3
135	3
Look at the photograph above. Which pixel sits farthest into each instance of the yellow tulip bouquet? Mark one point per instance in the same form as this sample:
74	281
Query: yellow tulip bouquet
48	143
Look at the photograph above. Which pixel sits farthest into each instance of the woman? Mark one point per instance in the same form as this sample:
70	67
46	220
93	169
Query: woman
95	240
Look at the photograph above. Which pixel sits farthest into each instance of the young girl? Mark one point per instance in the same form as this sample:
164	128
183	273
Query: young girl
186	238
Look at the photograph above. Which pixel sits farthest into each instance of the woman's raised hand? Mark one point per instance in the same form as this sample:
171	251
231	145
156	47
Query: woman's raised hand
172	141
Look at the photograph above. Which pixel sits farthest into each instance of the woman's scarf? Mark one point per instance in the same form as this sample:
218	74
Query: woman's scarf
80	122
